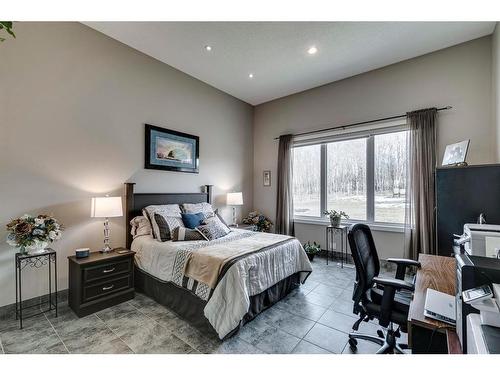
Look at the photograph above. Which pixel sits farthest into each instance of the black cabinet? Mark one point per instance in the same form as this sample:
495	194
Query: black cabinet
99	281
462	194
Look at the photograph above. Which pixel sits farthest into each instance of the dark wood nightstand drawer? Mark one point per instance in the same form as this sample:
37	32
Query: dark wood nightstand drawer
106	287
106	270
100	280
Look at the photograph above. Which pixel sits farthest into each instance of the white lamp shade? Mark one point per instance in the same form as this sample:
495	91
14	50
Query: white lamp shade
106	207
234	199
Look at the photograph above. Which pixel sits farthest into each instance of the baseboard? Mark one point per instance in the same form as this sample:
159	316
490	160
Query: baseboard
9	310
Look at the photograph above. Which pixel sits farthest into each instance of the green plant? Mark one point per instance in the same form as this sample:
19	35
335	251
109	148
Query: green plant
7	26
313	248
333	214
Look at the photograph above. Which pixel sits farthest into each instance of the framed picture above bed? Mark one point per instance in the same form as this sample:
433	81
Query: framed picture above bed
170	150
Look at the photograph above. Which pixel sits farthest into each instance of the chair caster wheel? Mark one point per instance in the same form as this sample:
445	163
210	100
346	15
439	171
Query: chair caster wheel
353	343
380	333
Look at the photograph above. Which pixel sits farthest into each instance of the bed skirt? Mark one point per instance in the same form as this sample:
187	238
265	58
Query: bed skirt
190	307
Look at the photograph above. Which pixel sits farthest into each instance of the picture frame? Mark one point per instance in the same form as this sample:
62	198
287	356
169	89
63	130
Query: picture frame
267	178
171	150
456	153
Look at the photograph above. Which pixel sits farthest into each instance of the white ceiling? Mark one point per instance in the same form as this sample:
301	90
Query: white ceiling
276	52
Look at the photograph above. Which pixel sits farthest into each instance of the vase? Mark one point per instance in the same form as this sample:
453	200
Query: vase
335	221
22	250
37	248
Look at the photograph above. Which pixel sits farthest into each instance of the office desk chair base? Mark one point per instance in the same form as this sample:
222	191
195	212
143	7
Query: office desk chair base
387	342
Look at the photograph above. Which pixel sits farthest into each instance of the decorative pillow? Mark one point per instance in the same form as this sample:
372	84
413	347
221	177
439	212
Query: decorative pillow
165	210
197	207
186	234
213	228
166	226
140	226
216	212
191	221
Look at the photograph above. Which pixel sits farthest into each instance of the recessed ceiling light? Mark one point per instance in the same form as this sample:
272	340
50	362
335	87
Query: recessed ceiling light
250	75
208	48
312	50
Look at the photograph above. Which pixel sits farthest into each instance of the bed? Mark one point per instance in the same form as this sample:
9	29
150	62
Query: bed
264	269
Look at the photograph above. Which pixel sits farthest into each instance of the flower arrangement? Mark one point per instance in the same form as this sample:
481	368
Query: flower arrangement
33	233
262	223
336	216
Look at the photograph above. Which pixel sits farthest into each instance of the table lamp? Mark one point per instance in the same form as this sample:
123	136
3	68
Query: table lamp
234	199
106	207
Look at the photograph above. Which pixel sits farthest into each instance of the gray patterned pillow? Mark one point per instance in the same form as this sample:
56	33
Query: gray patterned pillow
192	208
165	210
186	234
213	228
166	226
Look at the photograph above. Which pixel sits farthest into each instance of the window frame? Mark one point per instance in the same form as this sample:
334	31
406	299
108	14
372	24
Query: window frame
369	135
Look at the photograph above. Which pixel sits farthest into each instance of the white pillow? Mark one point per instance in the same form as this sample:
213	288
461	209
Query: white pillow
140	226
194	208
165	210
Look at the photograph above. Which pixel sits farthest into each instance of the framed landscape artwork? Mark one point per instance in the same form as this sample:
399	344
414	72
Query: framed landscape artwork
456	153
171	150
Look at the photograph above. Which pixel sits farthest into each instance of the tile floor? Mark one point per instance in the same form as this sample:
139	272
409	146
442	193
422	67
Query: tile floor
314	319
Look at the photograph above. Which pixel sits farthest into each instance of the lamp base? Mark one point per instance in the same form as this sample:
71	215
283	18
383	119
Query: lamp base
106	249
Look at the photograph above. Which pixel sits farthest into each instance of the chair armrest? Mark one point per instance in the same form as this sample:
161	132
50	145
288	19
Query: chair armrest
390	288
406	262
402	264
395	283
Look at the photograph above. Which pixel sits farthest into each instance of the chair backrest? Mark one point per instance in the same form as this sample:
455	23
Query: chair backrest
364	254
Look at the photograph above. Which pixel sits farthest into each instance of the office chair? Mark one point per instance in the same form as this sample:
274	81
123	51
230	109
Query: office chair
385	299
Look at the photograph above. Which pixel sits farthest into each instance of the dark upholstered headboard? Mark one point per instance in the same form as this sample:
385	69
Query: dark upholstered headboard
135	202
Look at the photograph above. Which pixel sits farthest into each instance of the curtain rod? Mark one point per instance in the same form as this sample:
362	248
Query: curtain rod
343	127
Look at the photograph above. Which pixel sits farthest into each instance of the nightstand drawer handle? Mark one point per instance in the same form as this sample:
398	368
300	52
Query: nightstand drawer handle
108	270
108	287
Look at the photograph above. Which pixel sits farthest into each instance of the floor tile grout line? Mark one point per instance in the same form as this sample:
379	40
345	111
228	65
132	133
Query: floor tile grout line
57	333
168	329
114	333
319	346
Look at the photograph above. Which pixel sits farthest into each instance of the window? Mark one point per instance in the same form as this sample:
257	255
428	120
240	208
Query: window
365	176
307	180
346	177
391	158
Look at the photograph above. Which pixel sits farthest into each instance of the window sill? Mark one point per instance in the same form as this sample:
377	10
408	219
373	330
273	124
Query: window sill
378	227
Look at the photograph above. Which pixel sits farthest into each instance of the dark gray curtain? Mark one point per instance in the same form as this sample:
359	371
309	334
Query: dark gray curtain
284	196
420	232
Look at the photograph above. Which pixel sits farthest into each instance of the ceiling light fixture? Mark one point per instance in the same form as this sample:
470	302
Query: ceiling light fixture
250	75
208	48
312	50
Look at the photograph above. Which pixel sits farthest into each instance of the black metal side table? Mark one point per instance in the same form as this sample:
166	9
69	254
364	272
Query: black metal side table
331	235
36	261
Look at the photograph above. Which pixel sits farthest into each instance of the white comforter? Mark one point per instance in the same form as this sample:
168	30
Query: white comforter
249	276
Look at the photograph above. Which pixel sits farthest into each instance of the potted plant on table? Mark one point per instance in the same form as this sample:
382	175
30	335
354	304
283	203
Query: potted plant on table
312	249
336	216
259	221
32	234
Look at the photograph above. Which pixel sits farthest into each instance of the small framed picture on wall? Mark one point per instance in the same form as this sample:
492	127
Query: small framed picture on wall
267	178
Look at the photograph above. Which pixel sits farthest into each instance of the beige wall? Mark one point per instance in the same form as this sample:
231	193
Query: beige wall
459	76
73	104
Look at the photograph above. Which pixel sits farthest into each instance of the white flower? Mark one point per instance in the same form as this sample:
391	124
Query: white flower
26	216
52	235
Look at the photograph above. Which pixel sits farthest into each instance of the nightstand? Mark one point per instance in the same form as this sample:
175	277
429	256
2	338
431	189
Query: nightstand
100	280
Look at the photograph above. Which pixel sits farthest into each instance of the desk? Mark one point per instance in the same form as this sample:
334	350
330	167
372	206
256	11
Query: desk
427	335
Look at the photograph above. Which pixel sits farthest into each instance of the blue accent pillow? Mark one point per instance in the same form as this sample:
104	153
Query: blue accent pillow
191	221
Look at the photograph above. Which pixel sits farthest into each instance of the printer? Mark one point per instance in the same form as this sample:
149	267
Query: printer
480	240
